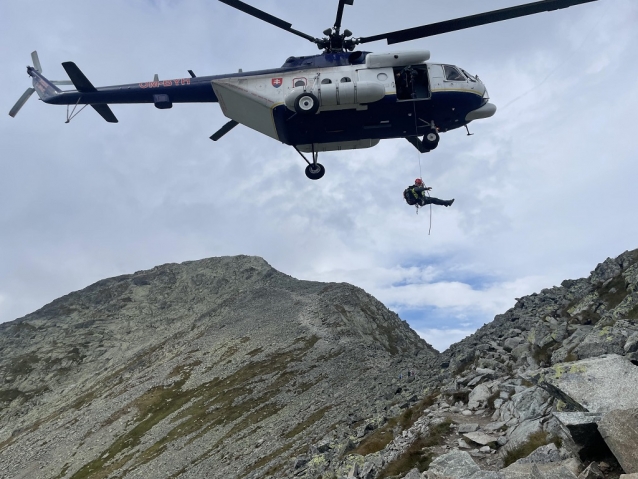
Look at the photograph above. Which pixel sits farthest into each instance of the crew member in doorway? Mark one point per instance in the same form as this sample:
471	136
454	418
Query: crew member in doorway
417	195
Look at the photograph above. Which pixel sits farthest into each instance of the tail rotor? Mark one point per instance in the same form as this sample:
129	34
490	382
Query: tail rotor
36	61
20	103
37	66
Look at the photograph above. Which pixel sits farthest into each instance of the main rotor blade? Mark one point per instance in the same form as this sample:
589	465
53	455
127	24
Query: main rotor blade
342	4
36	61
266	17
473	21
20	103
223	130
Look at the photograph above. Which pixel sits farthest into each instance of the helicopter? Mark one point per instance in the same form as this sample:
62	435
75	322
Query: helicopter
340	99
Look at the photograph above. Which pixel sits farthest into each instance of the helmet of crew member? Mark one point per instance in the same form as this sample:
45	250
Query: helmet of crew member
418	182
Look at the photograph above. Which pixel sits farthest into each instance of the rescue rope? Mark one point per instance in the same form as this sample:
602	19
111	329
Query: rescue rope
418	154
567	59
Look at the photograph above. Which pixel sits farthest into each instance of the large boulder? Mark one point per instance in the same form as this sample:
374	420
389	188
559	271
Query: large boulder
606	340
479	395
455	464
543	455
592	385
620	431
554	470
521	433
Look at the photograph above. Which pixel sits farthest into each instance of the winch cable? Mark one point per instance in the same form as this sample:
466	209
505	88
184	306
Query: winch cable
418	154
561	65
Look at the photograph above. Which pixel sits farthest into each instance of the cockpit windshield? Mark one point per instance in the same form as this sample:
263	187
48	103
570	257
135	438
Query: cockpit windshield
453	74
471	77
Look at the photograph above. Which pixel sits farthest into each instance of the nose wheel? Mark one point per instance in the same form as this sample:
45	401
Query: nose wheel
314	170
431	139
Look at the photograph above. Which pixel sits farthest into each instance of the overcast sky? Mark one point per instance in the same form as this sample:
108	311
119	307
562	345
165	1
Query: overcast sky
544	190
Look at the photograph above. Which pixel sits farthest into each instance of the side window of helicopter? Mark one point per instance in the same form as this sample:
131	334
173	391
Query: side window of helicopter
326	81
346	80
452	74
300	83
471	78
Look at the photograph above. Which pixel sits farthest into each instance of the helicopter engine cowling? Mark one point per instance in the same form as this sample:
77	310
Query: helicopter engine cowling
399	59
340	94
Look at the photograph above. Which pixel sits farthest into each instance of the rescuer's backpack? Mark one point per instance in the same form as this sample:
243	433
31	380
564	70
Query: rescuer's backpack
409	196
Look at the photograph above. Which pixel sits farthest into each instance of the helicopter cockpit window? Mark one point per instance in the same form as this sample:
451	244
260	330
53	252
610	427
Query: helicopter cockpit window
346	80
472	79
326	81
300	83
452	74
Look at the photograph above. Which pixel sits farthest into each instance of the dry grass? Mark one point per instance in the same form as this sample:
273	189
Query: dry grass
544	354
615	297
416	455
463	396
217	403
313	418
380	438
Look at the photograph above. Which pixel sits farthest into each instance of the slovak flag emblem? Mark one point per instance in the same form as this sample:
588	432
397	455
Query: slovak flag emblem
277	82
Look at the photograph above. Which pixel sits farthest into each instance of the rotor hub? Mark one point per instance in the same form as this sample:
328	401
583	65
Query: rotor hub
337	42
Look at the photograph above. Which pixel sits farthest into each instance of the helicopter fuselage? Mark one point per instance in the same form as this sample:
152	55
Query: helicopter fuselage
360	98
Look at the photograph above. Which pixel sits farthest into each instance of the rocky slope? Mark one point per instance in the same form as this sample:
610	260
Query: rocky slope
227	368
217	368
548	389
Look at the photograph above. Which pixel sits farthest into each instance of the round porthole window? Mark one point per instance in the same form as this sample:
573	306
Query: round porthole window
382	77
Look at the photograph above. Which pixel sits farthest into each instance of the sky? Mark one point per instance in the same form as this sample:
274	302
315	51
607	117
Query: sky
544	190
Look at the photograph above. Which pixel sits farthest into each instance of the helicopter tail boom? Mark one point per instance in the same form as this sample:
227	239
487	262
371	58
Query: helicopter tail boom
43	87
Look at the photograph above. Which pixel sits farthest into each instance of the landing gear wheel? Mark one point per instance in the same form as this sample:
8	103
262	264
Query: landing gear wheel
315	171
307	104
431	139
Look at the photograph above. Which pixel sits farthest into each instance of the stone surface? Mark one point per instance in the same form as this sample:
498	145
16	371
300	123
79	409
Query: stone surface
521	471
455	464
520	434
542	455
413	474
591	472
558	470
619	429
487	475
481	438
601	341
468	427
479	395
593	385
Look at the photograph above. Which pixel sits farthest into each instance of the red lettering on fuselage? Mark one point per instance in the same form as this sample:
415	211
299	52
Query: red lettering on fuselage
166	83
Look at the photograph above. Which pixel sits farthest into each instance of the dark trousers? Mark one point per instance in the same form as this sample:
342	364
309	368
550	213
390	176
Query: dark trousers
428	200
